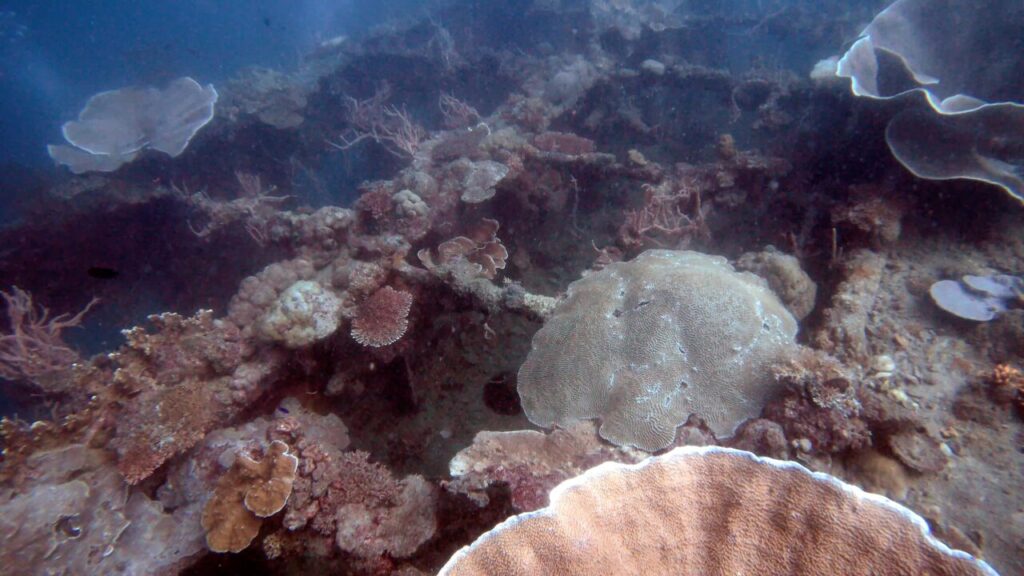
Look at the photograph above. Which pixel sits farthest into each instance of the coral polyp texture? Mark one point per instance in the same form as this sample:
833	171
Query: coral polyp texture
250	491
382	318
643	344
712	511
303	314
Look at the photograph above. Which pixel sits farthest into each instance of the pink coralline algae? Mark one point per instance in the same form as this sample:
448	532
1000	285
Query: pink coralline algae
355	502
181	381
382	318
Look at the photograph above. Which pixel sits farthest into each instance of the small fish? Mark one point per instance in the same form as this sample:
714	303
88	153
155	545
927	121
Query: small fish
266	21
103	273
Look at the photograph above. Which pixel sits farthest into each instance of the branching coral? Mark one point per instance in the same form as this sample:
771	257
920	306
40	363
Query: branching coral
382	318
180	382
33	348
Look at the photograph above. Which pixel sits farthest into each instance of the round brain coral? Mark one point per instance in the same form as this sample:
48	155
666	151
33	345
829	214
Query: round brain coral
303	314
645	343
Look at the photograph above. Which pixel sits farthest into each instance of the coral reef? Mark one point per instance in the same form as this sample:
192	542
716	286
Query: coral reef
251	490
75	516
846	319
594	524
785	277
643	344
273	97
1009	383
530	463
180	382
382	318
479	254
964	103
376	274
304	313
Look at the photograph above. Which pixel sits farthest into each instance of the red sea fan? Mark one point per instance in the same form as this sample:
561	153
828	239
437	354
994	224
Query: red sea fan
382	318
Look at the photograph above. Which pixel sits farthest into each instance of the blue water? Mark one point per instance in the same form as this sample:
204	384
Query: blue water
55	54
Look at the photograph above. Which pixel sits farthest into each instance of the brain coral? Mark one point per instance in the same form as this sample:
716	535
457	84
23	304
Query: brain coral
303	314
643	344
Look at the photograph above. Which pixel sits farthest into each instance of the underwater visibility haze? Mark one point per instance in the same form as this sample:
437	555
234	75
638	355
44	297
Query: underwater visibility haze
516	287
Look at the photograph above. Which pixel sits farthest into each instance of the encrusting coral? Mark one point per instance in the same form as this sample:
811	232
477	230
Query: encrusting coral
665	516
644	344
303	314
179	382
250	491
529	462
74	516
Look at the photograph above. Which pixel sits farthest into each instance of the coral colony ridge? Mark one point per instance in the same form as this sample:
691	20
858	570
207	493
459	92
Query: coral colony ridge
577	287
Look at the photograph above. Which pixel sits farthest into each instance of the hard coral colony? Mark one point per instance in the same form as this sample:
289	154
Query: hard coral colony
570	288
